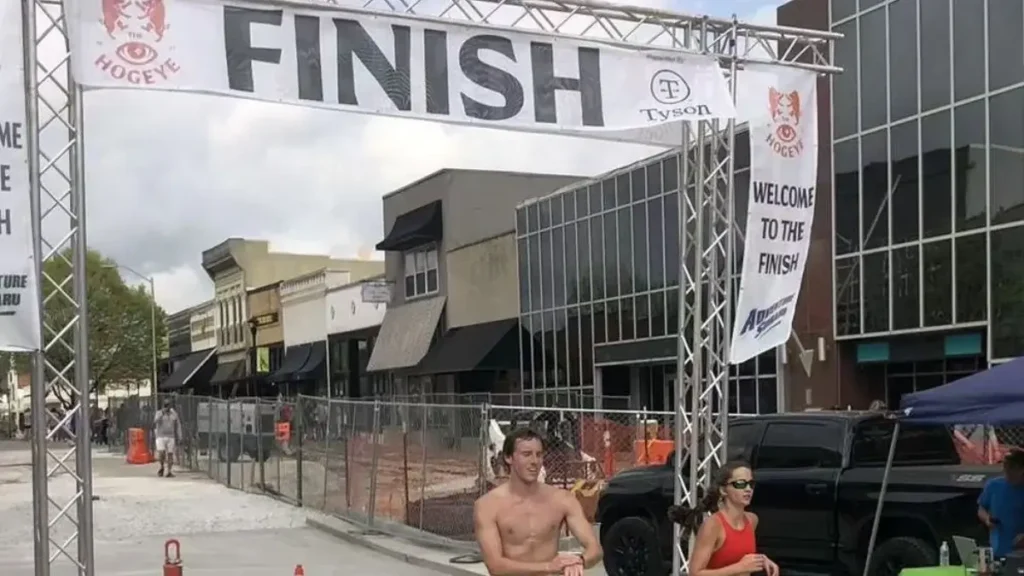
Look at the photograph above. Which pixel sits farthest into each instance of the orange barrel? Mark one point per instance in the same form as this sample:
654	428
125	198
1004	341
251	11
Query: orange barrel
138	449
655	451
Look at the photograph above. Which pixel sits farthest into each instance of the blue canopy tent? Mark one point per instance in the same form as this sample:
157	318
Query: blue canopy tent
993	397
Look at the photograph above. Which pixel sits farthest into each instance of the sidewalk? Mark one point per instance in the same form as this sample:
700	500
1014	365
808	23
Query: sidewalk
437	556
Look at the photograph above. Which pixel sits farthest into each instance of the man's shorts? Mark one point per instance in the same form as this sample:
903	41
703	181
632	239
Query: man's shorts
165	445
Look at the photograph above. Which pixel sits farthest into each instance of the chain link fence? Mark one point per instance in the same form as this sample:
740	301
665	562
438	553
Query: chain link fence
422	465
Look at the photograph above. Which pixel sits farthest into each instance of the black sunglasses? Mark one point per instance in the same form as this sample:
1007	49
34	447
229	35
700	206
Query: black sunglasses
742	484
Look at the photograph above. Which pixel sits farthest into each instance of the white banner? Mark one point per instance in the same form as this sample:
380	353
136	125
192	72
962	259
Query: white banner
783	179
350	59
19	309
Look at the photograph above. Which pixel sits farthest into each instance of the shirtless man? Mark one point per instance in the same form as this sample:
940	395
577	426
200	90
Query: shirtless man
518	523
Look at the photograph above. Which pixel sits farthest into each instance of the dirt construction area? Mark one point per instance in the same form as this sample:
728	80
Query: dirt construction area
336	479
223	532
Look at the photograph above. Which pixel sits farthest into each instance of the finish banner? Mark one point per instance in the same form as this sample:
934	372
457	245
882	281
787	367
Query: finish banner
783	177
19	306
397	65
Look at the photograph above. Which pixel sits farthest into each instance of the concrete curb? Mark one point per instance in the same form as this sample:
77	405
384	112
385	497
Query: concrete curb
358	540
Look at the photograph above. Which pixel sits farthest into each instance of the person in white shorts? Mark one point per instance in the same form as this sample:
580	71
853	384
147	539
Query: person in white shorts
167	429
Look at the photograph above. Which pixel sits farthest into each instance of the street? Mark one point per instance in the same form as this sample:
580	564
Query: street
222	531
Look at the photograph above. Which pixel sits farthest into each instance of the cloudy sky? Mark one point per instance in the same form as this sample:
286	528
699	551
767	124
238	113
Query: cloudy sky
169	175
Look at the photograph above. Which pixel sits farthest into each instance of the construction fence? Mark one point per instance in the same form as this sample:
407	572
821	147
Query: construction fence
412	463
418	464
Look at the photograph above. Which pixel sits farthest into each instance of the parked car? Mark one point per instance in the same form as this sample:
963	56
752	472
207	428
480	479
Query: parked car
818	477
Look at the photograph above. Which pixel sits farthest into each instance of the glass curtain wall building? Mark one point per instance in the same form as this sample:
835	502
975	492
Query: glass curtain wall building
598	288
928	128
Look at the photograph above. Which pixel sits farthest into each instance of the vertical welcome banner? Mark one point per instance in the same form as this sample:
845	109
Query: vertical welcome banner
783	177
19	309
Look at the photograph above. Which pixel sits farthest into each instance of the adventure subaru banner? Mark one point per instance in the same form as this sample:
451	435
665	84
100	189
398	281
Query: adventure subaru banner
19	308
361	61
783	176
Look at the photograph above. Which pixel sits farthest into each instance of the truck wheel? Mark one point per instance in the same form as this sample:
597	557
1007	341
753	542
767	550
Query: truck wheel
631	548
895	554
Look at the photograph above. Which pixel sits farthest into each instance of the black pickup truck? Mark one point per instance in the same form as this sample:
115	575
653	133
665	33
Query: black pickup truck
818	477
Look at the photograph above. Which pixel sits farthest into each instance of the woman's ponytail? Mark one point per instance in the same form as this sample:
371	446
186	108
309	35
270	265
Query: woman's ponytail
688	518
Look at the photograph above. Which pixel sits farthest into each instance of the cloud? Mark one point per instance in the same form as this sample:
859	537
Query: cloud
169	175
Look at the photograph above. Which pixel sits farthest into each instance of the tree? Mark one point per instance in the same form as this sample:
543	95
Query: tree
120	340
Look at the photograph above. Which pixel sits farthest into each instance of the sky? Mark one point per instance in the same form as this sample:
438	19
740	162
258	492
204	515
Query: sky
170	175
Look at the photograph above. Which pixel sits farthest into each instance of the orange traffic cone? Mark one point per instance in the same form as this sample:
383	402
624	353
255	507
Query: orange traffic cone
299	571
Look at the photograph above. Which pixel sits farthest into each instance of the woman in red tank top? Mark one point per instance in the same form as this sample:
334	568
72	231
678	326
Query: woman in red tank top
725	543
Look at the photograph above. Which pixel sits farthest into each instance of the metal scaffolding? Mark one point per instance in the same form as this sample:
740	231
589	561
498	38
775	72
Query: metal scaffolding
57	187
61	475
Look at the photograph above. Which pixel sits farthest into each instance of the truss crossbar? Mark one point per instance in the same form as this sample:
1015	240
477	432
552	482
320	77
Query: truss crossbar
61	453
63	513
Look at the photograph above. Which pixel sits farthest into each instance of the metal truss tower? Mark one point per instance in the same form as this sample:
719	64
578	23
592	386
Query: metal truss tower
61	474
57	186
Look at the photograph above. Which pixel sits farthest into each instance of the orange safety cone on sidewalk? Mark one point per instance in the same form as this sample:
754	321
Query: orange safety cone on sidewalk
299	571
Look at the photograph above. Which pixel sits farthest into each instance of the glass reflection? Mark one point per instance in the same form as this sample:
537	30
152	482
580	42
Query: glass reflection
905	190
1007	292
1006	133
848	295
937	171
938	283
969	162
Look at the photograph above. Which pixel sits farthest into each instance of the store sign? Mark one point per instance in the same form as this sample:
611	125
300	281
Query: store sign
375	293
19	303
780	213
391	64
265	319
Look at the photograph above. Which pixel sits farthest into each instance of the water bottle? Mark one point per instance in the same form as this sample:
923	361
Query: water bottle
944	554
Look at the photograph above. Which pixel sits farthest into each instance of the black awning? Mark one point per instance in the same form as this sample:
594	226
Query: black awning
294	359
229	372
313	369
479	347
187	368
414	228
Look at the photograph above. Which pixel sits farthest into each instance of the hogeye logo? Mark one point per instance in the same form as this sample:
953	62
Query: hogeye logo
671	91
784	108
138	27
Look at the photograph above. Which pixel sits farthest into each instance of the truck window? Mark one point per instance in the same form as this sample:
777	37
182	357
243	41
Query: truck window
792	445
916	445
742	437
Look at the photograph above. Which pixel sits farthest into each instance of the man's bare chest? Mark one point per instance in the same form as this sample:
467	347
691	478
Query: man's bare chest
525	522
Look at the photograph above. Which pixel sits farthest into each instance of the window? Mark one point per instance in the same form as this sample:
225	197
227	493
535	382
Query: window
903	58
1007	309
971	266
743	437
873	80
420	272
844	86
935	62
915	445
792	445
938	283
